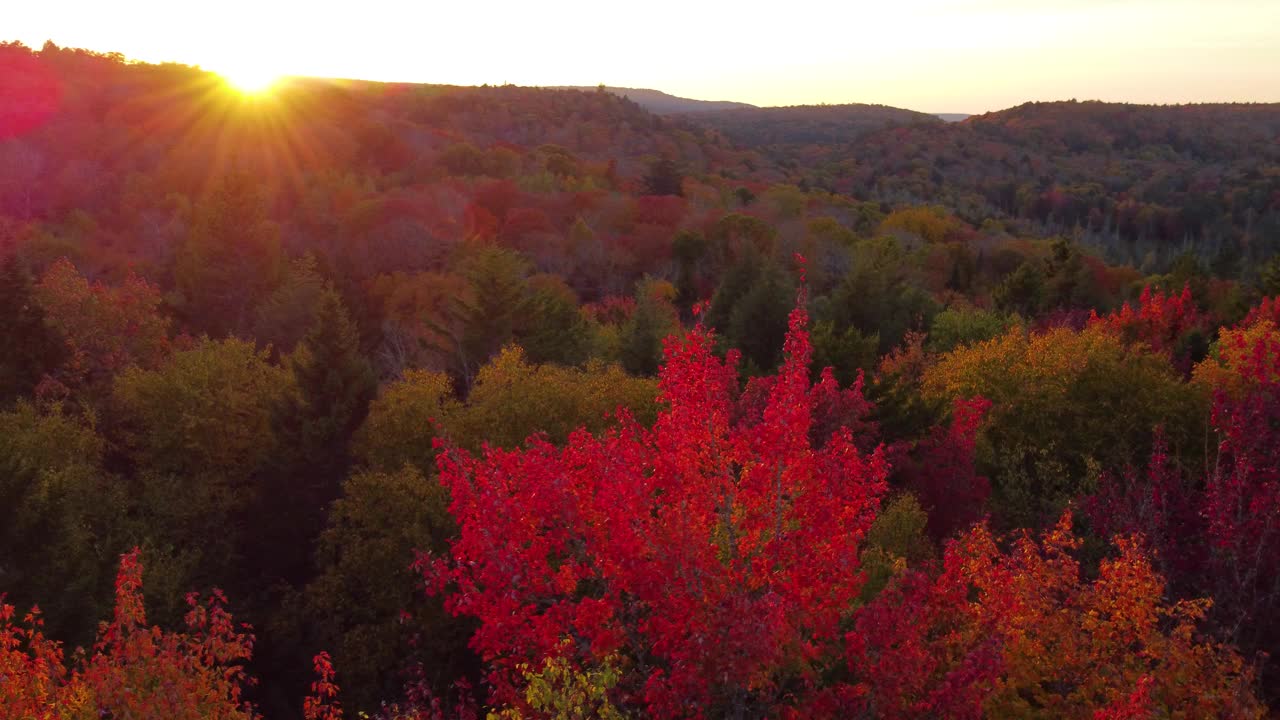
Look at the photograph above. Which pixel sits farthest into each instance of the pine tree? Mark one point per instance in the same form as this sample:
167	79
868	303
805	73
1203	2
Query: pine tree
498	303
653	319
641	344
688	248
757	322
663	178
333	385
554	330
1269	277
284	317
737	281
28	348
231	259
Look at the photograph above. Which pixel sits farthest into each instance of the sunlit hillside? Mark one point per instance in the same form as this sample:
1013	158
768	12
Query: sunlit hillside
330	399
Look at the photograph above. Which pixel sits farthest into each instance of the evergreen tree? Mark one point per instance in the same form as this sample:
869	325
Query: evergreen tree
663	178
1188	271
492	312
758	321
688	249
1269	277
284	317
879	295
963	268
642	335
333	386
554	330
231	258
641	345
28	348
741	276
1068	283
1022	292
845	352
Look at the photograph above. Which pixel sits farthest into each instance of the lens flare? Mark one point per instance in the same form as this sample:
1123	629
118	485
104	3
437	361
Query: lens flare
250	79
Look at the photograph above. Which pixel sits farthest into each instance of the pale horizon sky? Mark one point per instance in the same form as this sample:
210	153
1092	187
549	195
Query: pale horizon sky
963	56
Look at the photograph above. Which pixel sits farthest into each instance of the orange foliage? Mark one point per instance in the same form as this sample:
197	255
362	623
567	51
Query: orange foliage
135	671
106	328
1023	633
1242	358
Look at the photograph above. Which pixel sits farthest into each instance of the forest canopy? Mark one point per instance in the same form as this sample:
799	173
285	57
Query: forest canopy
356	399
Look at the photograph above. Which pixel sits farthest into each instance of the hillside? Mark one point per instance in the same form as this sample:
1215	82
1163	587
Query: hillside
502	401
660	103
98	135
1141	183
806	124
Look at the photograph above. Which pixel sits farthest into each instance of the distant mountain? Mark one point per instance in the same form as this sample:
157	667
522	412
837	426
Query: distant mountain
953	117
1143	183
658	102
806	124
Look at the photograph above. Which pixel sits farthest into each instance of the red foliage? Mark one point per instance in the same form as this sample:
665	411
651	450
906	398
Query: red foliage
322	703
1137	706
480	223
1073	318
942	473
664	210
1220	537
612	310
585	200
914	670
722	557
521	222
833	408
1268	309
30	92
647	246
1159	506
135	670
105	328
1242	509
31	667
422	703
1159	322
1023	631
498	197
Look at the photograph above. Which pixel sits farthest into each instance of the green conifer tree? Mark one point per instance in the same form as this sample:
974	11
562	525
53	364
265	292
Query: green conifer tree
28	347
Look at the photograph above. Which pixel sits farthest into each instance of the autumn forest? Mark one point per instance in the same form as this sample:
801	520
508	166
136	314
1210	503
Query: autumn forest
399	401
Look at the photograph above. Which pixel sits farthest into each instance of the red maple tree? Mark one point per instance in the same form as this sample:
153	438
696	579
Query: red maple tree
721	558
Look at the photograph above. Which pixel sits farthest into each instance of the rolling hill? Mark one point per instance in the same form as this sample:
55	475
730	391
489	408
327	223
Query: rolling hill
806	124
660	103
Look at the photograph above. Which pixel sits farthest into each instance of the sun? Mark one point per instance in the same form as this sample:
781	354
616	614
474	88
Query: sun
250	79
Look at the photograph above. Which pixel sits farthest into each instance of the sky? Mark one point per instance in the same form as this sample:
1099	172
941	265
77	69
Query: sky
963	56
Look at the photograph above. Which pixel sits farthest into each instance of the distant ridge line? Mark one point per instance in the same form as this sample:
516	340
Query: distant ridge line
661	103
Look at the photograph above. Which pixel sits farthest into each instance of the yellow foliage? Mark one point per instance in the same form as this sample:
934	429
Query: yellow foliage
400	427
510	400
930	224
1065	401
208	409
895	542
513	399
561	692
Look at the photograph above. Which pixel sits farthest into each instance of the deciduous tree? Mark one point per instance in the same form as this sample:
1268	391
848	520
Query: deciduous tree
719	559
